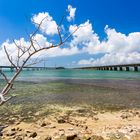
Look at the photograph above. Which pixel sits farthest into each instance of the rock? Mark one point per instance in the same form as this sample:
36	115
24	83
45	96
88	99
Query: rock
71	136
96	118
28	131
12	120
52	127
33	135
43	124
1	134
11	134
19	138
86	138
119	135
48	138
2	127
61	132
61	120
71	129
13	129
19	129
124	116
95	137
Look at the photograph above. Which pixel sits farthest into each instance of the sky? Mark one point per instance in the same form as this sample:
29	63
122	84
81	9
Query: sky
109	32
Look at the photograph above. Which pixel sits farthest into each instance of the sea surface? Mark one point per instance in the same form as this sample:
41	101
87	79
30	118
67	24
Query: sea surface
77	74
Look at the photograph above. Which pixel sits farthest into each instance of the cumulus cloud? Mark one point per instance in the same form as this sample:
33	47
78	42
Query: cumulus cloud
111	59
71	11
118	48
48	25
84	36
40	42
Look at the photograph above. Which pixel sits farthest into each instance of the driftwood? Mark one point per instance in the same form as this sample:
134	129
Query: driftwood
29	52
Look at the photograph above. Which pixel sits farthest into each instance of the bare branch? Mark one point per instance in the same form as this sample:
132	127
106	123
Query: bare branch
5	77
8	56
70	35
38	28
18	46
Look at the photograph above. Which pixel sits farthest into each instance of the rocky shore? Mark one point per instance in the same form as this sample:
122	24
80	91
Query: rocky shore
77	123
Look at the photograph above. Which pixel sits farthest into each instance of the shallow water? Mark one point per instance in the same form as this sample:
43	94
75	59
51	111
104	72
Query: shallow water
77	74
100	87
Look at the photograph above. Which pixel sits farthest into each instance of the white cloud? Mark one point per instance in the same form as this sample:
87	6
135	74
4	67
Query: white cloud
84	36
111	59
40	42
71	13
117	47
48	25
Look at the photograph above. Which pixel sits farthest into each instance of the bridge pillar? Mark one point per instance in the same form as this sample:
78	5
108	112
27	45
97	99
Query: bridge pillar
121	68
107	68
135	68
115	68
127	68
110	68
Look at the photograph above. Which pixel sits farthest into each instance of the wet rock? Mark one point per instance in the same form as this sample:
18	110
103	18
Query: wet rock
33	135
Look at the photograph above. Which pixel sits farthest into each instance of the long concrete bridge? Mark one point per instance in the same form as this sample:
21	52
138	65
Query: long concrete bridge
121	67
30	68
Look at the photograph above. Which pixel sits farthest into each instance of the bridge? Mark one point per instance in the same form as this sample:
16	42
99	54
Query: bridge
121	67
30	68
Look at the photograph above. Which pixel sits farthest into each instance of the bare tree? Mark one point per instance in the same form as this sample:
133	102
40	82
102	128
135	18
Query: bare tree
29	51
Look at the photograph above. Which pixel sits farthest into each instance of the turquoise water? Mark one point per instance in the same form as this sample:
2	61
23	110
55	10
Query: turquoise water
79	74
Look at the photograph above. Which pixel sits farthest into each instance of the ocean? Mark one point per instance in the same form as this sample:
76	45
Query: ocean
76	74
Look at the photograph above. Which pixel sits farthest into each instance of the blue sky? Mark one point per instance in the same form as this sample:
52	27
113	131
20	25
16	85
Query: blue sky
121	15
